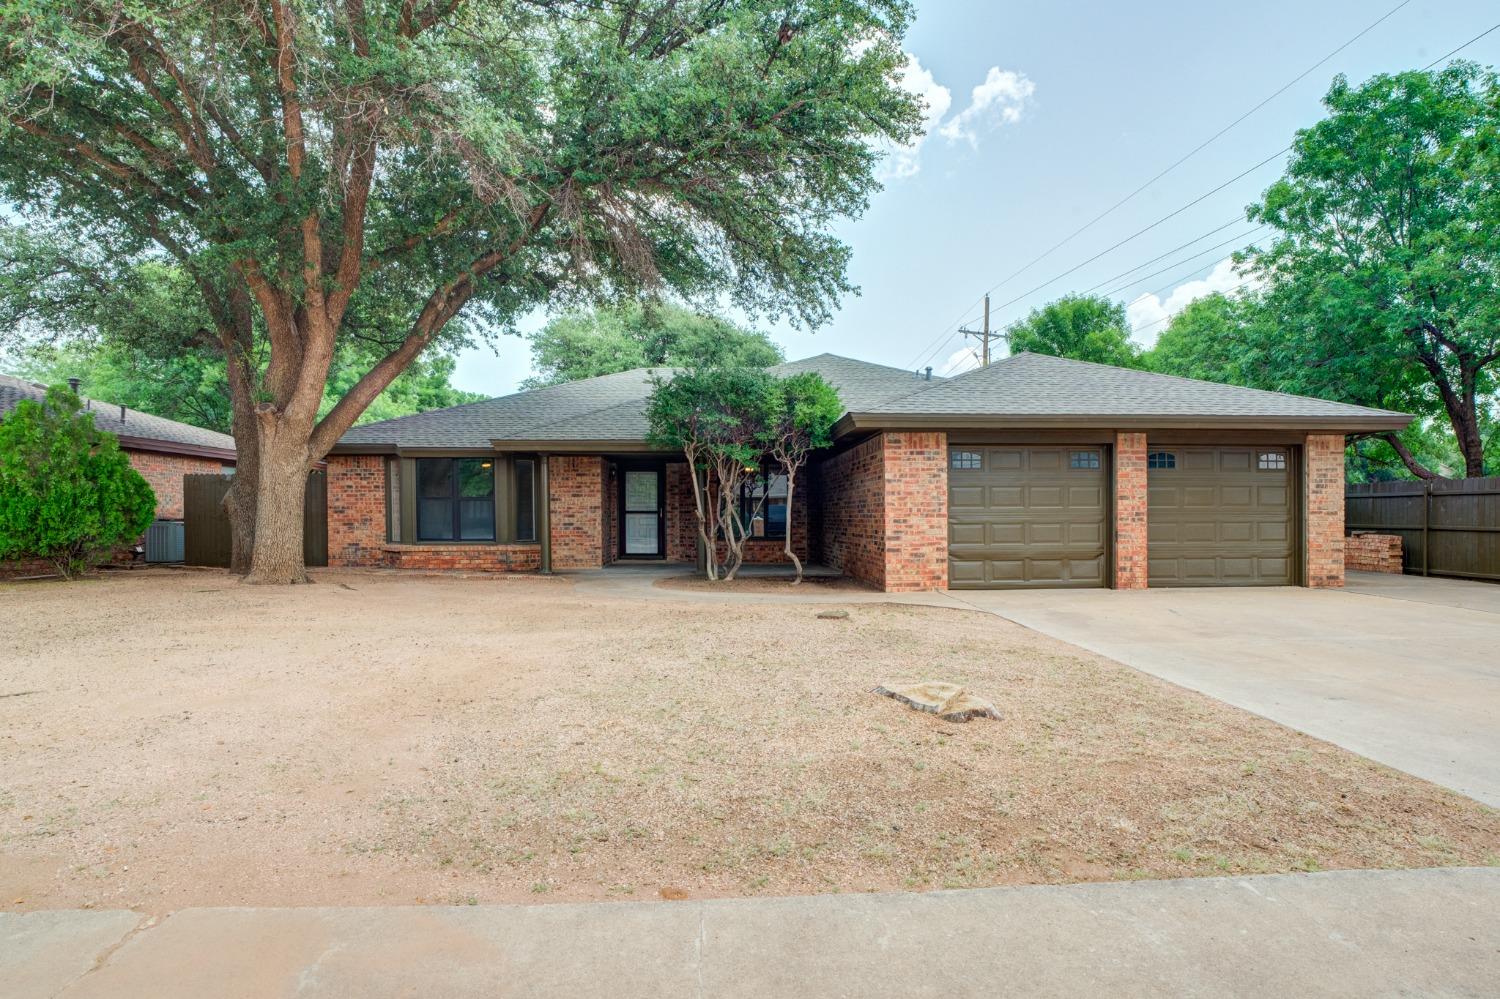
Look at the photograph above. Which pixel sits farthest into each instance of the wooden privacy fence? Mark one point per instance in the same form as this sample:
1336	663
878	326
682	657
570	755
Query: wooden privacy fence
1448	527
206	524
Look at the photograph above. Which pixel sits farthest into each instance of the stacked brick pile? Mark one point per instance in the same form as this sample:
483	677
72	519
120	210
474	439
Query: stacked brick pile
1373	553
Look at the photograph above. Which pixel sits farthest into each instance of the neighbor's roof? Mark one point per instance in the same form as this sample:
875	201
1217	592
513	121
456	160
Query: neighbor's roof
610	409
1037	390
136	430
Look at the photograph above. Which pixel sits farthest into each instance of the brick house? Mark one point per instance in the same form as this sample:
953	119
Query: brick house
1032	472
162	450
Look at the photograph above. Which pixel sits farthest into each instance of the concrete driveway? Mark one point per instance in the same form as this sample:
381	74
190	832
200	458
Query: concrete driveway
1400	669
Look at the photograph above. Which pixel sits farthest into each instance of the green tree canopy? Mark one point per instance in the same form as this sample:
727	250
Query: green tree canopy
803	411
1082	327
307	162
591	342
68	494
1386	267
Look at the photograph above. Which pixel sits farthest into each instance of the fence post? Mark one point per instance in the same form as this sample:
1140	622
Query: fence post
1426	524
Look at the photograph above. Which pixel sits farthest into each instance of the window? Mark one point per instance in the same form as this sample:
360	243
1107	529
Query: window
1161	459
1084	459
1272	461
967	461
769	521
525	472
455	499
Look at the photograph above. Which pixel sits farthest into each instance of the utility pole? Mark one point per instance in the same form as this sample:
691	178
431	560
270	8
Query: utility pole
984	335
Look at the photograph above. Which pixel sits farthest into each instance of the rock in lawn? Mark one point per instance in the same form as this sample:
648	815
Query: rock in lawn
948	701
833	615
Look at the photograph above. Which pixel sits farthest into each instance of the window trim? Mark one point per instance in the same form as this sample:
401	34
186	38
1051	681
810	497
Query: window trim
768	470
404	516
1164	460
1271	461
954	455
1085	460
456	498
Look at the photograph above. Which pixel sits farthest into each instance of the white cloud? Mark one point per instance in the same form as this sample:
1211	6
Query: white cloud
961	360
999	100
906	161
1148	314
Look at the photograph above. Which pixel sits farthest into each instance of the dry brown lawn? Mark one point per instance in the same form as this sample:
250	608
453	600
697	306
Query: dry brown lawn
174	738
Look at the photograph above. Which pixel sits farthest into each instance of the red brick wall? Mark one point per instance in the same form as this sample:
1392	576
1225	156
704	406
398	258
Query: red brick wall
883	511
916	511
1323	499
852	526
682	516
165	471
356	509
1130	511
464	558
577	484
1373	553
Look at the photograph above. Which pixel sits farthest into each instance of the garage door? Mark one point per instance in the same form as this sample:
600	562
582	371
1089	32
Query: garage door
1026	516
1220	516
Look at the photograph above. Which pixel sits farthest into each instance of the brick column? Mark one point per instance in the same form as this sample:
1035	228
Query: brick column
916	511
1130	511
576	504
1323	499
356	509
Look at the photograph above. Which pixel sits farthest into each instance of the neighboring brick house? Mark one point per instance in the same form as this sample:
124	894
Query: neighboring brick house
1032	472
162	450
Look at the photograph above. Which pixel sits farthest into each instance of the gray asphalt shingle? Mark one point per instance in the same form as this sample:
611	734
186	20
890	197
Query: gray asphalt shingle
1041	385
107	417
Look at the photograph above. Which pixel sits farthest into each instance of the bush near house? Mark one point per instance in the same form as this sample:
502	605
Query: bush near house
68	494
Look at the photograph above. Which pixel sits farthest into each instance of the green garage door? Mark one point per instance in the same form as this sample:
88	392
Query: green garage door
1220	516
1026	516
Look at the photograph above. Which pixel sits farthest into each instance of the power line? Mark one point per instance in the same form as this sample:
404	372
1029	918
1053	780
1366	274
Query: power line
946	335
1173	315
1141	232
1147	263
1196	149
1465	45
1173	266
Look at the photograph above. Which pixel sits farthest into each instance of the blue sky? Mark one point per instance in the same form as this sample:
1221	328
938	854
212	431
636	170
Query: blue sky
1078	104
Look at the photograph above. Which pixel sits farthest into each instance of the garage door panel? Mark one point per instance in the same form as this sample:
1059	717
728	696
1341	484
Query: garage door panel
1216	518
1027	517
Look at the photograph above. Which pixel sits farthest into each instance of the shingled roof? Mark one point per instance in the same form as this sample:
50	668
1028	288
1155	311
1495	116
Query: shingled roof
136	430
1022	391
1037	390
608	410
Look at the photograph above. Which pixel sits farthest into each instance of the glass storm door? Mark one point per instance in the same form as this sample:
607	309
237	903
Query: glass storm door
641	512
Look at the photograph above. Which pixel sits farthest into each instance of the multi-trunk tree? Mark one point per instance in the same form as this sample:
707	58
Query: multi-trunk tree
306	162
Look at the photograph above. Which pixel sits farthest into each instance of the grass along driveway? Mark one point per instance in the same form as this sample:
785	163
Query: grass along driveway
385	739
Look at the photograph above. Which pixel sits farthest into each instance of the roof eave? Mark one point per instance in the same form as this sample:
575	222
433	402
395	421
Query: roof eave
579	446
129	442
1373	422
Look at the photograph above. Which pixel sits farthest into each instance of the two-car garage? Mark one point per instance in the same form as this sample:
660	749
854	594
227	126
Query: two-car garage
1031	516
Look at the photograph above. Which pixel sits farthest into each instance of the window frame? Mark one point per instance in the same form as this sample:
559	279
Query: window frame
456	499
1271	461
767	472
1085	460
954	455
1161	461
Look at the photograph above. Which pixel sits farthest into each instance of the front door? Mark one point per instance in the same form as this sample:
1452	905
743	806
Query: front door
641	513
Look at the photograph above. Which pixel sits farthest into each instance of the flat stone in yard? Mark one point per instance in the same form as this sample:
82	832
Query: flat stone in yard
948	701
833	615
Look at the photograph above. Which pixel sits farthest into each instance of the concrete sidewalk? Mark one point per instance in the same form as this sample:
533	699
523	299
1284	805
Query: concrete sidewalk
1366	933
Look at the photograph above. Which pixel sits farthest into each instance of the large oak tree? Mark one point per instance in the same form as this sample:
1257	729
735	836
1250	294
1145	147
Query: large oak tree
309	161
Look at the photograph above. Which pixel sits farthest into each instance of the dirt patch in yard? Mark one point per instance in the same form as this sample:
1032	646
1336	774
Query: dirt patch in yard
385	739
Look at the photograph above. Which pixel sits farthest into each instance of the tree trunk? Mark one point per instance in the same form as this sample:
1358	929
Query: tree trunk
1408	459
276	555
791	491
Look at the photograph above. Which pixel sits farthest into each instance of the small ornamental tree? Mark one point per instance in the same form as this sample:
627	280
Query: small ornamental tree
717	417
67	491
804	409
